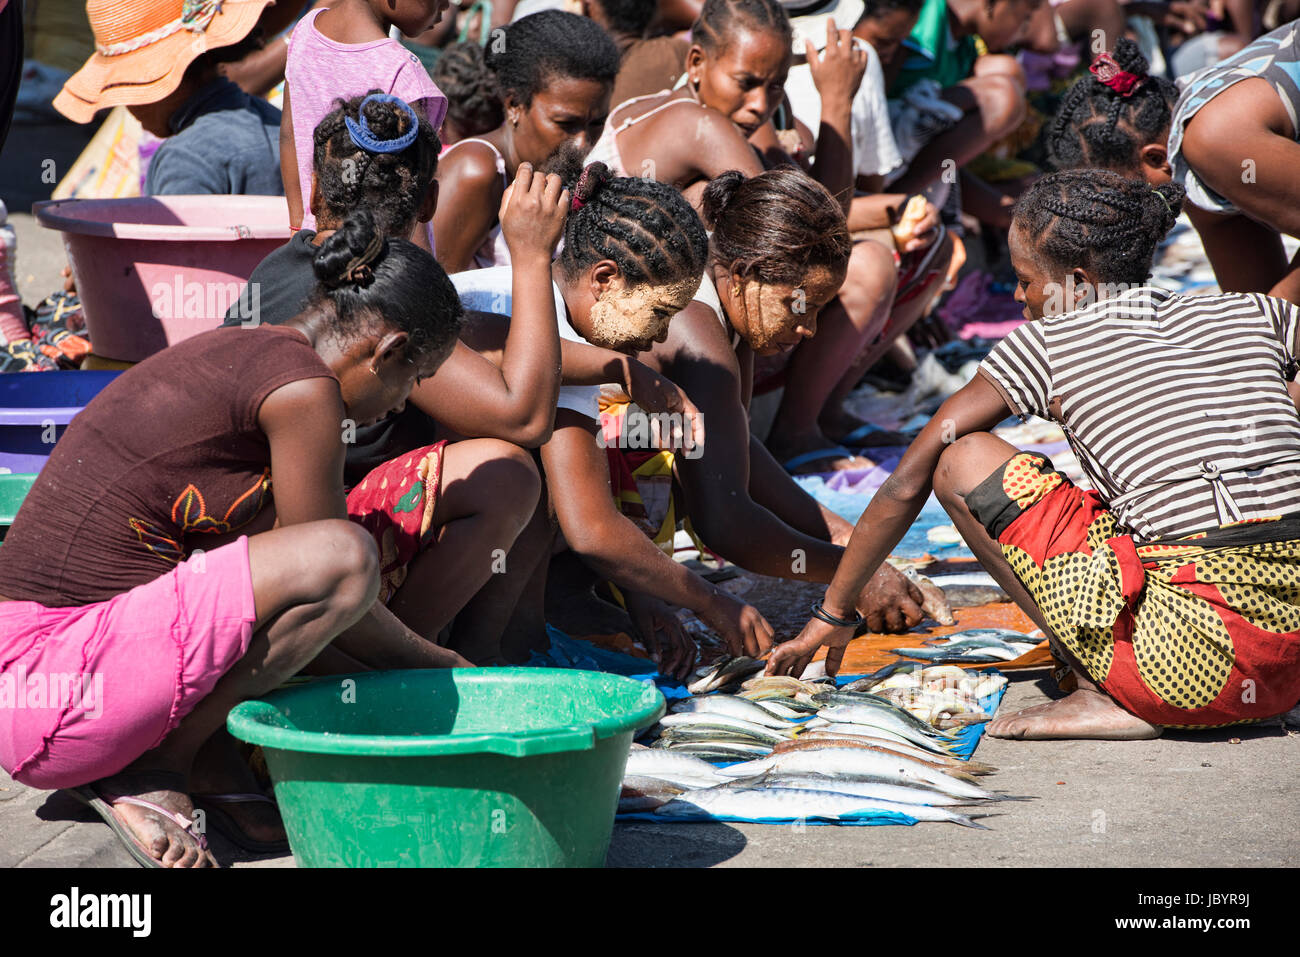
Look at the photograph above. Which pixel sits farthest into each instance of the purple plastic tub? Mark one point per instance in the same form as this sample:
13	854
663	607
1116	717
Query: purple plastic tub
35	409
155	270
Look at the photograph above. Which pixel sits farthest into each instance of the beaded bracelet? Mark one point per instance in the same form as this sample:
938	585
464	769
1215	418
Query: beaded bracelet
822	614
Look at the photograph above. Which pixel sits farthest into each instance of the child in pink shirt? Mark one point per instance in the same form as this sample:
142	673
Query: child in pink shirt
345	51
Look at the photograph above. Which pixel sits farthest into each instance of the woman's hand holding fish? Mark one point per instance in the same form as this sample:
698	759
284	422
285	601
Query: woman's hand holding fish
741	626
658	627
890	603
533	209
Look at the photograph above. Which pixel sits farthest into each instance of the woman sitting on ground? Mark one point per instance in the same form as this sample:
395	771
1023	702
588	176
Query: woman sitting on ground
554	72
777	254
632	258
174	574
1170	589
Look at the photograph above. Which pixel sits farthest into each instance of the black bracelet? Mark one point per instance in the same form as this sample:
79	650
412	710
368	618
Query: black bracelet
821	614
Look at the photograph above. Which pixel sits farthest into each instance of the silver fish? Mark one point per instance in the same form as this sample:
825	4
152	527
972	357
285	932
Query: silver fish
715	750
879	718
646	794
726	672
791	804
859	763
720	726
860	787
730	705
672	767
866	731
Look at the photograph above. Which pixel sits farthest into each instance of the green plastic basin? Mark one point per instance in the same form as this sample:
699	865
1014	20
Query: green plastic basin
472	767
13	489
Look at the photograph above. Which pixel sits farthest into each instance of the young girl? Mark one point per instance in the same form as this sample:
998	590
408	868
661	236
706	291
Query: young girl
632	257
554	72
167	579
1170	590
343	51
1116	119
777	254
1233	147
734	82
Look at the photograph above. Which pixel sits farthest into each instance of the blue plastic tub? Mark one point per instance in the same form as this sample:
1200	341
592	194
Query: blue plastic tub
36	407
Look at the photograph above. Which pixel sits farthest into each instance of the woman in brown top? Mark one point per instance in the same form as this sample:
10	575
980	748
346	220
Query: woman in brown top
151	639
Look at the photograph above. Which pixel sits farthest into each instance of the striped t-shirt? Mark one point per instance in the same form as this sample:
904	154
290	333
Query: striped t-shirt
1176	406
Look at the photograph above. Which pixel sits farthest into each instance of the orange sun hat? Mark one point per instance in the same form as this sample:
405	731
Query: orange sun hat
143	47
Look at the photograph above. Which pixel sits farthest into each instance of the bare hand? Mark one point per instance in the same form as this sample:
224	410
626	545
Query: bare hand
792	657
890	603
532	213
925	231
837	72
658	627
656	393
741	626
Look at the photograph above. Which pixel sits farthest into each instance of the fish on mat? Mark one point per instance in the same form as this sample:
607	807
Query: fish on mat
791	804
733	707
858	763
859	787
672	767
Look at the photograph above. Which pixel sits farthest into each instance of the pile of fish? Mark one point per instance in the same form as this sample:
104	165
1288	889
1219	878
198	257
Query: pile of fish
976	646
806	750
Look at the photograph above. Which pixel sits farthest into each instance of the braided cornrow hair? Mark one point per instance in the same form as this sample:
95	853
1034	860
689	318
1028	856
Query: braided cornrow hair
720	21
390	185
775	227
646	227
1098	126
1098	221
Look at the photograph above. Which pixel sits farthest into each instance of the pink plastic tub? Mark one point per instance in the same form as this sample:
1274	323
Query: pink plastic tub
154	270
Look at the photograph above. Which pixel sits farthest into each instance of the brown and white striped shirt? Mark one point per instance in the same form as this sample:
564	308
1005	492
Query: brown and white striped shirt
1176	406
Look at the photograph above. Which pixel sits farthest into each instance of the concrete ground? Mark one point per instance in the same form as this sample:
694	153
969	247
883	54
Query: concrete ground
1184	800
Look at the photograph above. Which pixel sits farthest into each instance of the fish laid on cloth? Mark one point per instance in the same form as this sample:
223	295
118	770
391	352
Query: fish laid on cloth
733	707
877	790
791	804
725	723
645	794
859	763
672	767
815	740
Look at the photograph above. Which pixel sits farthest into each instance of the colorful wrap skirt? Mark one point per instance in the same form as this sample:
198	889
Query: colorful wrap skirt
1199	631
395	504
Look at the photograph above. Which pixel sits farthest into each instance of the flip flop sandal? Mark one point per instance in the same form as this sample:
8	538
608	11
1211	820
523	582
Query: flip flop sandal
230	829
104	808
831	452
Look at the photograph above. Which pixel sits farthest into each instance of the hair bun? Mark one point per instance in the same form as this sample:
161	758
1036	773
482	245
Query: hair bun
1167	203
719	194
1129	56
590	183
349	255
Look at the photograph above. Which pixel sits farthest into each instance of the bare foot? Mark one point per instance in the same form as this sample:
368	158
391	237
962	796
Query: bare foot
1082	714
161	837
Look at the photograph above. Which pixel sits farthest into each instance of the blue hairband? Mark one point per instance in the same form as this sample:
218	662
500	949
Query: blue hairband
360	132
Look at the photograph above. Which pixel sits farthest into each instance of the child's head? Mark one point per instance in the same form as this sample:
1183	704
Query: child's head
390	312
1084	235
782	240
473	101
1116	119
555	71
885	24
999	23
634	252
739	59
412	17
622	16
359	162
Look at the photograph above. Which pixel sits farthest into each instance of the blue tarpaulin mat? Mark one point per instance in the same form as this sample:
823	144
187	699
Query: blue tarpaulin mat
567	652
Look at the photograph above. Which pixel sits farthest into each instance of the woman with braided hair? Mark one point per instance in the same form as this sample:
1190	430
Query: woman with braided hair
632	258
1171	590
180	578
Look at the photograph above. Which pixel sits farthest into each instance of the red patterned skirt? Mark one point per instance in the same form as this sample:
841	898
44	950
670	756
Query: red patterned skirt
1200	631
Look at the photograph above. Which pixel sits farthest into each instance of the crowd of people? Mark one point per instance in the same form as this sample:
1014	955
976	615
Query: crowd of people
545	254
